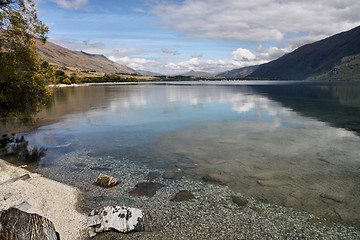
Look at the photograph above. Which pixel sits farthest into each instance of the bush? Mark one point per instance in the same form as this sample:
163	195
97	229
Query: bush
66	81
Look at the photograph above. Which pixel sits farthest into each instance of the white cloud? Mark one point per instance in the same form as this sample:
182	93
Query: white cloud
139	10
243	54
71	4
258	20
135	63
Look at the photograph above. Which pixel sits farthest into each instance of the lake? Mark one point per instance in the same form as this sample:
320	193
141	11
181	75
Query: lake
292	144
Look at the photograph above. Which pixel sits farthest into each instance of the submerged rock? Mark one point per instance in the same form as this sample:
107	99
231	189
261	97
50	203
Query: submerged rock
183	195
172	175
120	218
216	178
153	175
106	181
16	224
240	201
147	189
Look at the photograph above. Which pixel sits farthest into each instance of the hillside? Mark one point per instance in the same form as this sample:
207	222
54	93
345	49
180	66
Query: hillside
58	55
347	69
193	73
239	72
312	59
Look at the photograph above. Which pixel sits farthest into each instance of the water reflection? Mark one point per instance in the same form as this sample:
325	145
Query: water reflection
267	139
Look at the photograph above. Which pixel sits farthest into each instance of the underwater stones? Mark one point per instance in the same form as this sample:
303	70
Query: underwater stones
216	178
172	175
185	165
120	218
106	181
153	175
93	154
183	195
147	189
240	201
333	197
16	224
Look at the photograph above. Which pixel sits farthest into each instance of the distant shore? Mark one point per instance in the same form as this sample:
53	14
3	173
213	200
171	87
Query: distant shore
58	202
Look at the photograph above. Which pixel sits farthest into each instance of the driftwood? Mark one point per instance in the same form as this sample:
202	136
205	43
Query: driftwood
19	225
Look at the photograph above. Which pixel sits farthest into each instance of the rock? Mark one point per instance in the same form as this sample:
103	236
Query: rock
183	195
106	181
216	178
153	175
93	154
185	165
16	224
171	175
147	189
120	218
333	197
240	201
12	180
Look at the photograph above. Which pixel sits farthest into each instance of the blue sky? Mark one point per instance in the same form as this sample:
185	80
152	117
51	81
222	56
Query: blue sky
176	36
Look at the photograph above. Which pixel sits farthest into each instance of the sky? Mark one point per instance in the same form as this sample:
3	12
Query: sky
176	36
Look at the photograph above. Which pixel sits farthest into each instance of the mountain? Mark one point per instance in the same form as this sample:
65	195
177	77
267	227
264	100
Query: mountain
148	73
193	73
347	69
312	59
56	54
239	72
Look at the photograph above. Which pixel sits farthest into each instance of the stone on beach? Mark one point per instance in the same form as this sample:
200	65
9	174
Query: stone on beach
16	224
120	218
106	181
216	178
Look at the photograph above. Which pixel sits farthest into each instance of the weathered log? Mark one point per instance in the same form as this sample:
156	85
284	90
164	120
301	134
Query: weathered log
19	225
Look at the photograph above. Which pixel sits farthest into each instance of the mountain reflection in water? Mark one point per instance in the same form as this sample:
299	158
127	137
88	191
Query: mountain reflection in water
293	144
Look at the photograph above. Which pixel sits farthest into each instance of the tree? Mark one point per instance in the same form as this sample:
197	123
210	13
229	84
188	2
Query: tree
23	78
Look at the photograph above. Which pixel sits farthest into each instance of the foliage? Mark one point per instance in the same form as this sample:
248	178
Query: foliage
66	81
23	74
108	78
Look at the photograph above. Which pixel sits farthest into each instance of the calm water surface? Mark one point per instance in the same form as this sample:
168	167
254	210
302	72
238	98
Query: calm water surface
293	144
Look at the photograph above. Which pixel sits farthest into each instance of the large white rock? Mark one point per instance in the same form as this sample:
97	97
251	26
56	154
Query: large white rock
120	218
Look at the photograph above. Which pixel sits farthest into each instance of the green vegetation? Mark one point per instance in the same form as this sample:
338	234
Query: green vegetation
347	69
23	74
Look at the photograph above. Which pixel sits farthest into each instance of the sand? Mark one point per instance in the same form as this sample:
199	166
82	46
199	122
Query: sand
58	202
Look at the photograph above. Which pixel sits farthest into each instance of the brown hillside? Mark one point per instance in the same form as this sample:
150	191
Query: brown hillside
58	55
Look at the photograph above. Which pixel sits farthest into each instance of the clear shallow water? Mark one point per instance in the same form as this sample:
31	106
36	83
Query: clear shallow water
291	144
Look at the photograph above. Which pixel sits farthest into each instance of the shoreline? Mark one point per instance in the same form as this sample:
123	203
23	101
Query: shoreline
212	214
58	202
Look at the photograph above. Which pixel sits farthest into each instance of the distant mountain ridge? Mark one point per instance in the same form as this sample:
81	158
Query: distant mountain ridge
239	72
56	54
193	73
312	60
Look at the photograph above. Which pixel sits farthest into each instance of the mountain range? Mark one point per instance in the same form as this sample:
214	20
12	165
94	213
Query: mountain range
58	55
333	58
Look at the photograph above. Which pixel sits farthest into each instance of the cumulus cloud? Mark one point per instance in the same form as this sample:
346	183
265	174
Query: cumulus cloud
71	4
135	62
258	20
169	52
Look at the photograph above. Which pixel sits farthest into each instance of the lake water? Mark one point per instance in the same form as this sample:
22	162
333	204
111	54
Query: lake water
286	143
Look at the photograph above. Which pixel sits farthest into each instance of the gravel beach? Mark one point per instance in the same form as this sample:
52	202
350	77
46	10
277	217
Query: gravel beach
212	214
35	194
